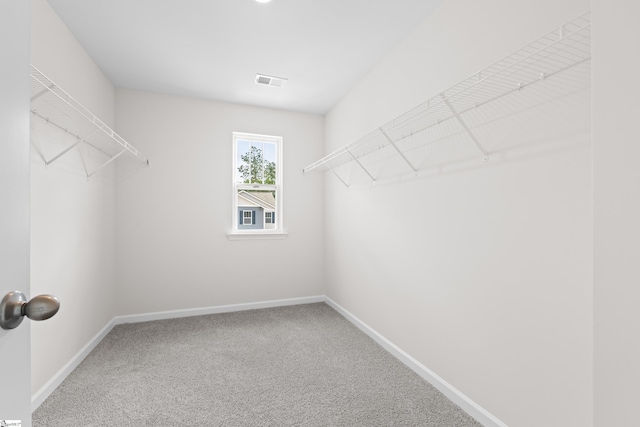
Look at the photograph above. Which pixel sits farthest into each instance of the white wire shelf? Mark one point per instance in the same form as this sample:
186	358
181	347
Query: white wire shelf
453	116
67	125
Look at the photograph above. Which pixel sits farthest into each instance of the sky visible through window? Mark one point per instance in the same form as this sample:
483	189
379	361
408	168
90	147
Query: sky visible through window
256	162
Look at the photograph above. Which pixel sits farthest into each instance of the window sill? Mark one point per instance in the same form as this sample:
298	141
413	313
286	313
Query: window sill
238	235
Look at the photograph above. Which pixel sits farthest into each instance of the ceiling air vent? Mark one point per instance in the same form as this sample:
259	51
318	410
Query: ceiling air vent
261	79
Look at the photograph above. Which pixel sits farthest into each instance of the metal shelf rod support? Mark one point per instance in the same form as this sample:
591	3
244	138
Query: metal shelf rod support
62	153
363	168
66	150
42	92
399	152
464	125
340	178
79	139
107	162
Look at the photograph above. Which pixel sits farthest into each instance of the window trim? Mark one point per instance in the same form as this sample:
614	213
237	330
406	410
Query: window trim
272	233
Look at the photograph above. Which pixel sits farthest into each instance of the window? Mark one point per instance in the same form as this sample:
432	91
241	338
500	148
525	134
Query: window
257	184
247	217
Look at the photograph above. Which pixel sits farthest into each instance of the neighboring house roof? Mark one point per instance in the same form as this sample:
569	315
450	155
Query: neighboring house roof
264	199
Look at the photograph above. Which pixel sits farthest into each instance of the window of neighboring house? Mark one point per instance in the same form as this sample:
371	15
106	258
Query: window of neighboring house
257	183
247	217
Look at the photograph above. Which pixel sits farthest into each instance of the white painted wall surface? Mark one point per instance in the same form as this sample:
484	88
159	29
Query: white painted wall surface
490	284
72	220
616	178
173	217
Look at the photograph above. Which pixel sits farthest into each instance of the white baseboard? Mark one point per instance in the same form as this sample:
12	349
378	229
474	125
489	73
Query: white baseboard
175	314
453	394
44	392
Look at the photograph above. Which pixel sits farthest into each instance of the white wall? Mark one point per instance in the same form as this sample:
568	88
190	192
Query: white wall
616	178
72	220
491	288
172	218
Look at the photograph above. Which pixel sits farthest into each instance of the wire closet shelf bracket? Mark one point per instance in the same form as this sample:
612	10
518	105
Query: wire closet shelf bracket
74	126
557	52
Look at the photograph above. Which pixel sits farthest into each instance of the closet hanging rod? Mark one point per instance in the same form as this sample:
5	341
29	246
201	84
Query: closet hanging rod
52	97
78	137
566	47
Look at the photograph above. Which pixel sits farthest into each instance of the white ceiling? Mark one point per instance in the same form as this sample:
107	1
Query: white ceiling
213	49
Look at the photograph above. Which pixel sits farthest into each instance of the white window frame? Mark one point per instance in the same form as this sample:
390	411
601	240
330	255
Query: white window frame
276	232
270	217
